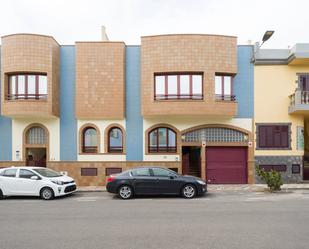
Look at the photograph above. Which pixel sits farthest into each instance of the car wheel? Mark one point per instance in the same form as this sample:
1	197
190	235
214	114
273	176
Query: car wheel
47	193
125	192
188	191
1	194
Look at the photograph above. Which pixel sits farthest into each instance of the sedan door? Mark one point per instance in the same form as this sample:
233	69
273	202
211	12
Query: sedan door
143	182
167	181
26	185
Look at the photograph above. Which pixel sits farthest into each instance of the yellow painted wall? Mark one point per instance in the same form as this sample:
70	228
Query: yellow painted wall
273	85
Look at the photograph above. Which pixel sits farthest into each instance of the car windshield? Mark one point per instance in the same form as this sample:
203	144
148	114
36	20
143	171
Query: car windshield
47	172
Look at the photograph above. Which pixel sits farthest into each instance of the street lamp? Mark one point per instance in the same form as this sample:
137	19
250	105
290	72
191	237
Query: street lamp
267	35
265	38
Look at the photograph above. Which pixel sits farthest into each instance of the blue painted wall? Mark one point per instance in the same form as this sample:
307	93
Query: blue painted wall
134	120
243	82
5	134
68	123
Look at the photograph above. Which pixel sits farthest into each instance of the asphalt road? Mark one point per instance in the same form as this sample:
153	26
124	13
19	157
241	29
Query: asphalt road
99	220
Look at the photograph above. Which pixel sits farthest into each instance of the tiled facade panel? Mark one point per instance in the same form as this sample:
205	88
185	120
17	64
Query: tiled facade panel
5	134
134	121
35	54
74	169
243	82
100	80
68	123
209	54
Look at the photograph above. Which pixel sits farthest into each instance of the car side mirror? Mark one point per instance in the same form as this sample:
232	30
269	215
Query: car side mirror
34	178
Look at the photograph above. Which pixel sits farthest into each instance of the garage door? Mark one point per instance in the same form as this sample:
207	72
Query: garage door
226	165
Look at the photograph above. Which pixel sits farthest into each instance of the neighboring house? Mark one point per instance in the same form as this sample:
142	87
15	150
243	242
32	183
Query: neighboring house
281	107
183	102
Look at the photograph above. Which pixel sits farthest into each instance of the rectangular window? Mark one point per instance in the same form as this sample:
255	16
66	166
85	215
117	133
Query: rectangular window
224	88
111	171
179	86
273	137
88	171
279	168
27	86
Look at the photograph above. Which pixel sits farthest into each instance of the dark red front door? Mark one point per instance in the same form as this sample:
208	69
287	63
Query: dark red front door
226	165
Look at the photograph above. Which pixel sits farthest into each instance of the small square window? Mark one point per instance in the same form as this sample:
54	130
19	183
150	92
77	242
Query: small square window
295	169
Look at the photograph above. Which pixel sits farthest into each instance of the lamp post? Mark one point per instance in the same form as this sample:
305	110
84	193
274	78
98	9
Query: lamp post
265	38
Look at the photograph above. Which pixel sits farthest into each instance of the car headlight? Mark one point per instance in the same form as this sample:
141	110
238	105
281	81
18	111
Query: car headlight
57	182
201	182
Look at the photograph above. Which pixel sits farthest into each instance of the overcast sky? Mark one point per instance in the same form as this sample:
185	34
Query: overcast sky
126	20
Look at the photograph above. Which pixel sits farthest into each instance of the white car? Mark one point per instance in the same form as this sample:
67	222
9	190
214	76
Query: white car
34	181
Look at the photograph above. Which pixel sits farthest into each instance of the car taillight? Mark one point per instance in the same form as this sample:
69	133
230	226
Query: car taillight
111	178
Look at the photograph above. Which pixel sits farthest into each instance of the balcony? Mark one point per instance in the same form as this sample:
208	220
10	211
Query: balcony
29	76
299	102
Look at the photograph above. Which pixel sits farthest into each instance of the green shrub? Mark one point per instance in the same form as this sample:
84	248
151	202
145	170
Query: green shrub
272	178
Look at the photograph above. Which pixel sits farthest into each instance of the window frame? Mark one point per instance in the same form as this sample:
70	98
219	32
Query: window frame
89	149
147	169
33	174
26	95
273	147
223	96
109	147
3	173
163	149
179	96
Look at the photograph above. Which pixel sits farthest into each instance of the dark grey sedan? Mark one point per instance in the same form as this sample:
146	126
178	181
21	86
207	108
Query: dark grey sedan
154	181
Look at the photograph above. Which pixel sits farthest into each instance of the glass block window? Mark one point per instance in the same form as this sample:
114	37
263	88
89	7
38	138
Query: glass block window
36	135
215	134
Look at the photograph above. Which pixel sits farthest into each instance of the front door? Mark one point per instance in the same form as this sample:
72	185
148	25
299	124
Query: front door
143	182
167	181
36	157
25	185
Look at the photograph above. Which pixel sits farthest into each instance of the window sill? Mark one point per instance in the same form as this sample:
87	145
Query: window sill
179	100
273	148
26	100
163	153
99	153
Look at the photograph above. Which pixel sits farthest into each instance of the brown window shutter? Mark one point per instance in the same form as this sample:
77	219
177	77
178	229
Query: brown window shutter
262	136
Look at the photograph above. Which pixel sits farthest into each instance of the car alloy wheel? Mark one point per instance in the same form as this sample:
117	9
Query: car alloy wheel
47	194
188	191
125	192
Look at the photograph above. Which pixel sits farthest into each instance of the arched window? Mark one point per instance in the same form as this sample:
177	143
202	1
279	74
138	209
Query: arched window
36	135
90	140
162	139
115	140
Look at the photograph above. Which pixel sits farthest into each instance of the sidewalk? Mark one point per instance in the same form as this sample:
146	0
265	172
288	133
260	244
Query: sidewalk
214	188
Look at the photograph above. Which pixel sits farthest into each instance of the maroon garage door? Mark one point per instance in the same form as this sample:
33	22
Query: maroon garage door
226	164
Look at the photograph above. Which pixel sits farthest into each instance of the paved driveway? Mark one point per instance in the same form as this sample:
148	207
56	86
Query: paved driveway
99	220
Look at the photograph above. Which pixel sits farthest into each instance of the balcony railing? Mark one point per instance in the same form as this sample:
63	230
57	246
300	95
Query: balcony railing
220	97
299	102
299	97
26	96
178	96
90	149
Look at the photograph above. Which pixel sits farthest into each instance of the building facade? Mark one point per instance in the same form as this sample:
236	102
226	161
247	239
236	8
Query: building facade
281	81
184	102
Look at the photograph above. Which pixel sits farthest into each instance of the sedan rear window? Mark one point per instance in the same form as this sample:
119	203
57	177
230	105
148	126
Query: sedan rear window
9	172
140	172
162	172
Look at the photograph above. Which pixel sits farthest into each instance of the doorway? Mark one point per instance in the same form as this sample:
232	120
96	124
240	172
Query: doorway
36	157
191	160
306	151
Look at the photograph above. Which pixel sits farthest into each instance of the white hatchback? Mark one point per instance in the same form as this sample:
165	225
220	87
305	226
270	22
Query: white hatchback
34	181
